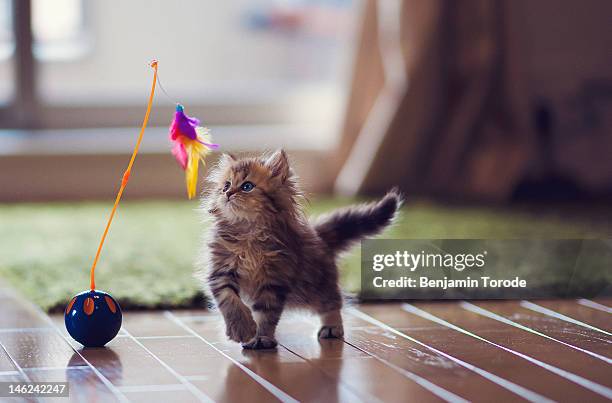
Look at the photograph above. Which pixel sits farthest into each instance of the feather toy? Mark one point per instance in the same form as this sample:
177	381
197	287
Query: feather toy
191	145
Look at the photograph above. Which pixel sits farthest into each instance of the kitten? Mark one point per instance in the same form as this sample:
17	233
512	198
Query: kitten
263	255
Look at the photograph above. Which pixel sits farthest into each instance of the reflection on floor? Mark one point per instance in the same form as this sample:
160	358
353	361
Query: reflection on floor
446	351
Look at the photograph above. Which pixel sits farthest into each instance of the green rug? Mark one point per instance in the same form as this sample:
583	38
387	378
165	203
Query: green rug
147	262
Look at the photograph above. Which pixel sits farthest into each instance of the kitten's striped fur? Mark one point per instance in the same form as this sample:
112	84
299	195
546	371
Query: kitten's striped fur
263	255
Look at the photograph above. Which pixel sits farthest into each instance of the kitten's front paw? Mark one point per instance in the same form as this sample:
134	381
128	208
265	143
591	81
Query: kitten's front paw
260	343
330	332
241	327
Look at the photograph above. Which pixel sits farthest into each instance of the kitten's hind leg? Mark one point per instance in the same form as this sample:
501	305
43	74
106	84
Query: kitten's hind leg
331	325
267	308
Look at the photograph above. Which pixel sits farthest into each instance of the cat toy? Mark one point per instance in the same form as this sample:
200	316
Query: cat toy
93	317
191	144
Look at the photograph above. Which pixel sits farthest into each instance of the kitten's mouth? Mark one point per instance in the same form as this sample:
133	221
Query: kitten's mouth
232	205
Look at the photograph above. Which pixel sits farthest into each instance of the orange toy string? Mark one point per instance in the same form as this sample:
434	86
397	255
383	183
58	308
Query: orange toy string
126	176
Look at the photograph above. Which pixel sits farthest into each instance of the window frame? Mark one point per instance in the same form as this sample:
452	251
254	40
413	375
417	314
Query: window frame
21	110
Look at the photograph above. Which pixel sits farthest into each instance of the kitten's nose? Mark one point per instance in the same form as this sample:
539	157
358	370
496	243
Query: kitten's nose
229	193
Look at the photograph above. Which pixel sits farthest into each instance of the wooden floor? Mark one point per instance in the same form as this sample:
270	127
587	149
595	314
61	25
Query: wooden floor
447	351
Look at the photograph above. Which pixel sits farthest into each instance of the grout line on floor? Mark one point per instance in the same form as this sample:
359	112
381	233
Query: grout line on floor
585	383
196	392
491	315
35	369
199	318
278	393
549	312
153	388
504	383
27	330
197	377
185	336
594	305
7	373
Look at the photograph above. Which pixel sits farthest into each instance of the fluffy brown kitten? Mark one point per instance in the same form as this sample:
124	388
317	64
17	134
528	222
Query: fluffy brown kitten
263	255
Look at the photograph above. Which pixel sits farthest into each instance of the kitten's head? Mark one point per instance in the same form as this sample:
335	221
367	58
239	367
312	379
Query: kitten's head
253	189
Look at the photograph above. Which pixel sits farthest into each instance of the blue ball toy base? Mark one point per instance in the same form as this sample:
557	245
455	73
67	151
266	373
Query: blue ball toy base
93	318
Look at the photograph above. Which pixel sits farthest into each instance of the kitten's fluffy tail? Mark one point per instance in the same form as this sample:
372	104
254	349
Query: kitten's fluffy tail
340	229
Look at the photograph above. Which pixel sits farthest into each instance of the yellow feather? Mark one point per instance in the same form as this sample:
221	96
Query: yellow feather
191	173
196	152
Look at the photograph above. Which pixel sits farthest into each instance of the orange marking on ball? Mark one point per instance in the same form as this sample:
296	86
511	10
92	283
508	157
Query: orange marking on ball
69	307
111	304
88	306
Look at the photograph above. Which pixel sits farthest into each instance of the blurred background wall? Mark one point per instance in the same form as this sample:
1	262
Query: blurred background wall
74	78
482	100
479	100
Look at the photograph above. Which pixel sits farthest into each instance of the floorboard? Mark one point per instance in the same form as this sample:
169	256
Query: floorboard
546	350
528	345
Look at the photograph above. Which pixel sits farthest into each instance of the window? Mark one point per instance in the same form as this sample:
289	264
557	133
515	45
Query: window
59	29
232	62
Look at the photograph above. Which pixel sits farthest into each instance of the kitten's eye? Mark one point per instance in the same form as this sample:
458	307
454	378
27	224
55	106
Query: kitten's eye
226	187
247	186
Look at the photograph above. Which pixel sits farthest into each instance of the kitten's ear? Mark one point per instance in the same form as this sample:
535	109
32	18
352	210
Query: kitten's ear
278	164
226	159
